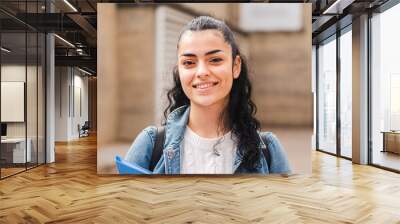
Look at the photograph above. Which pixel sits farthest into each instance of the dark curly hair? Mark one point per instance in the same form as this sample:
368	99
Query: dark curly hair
240	110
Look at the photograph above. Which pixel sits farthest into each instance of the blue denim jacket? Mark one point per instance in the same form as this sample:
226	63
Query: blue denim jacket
170	162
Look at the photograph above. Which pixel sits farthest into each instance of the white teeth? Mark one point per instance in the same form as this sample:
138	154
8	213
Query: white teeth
203	86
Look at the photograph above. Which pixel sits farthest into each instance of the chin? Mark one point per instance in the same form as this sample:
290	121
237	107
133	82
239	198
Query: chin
205	101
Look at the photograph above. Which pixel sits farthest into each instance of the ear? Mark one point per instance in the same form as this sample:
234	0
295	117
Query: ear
237	66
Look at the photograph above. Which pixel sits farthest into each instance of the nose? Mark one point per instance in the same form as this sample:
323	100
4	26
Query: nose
202	70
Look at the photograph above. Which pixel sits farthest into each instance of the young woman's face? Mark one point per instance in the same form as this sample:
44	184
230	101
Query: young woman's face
205	67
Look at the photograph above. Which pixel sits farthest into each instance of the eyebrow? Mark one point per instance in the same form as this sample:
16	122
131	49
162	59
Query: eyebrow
208	53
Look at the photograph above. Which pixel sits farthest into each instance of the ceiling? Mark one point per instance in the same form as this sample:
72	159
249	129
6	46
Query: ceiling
76	22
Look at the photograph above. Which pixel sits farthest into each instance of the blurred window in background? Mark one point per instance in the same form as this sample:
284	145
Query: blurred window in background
327	96
385	86
346	93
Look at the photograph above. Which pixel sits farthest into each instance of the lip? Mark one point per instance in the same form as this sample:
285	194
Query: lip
204	87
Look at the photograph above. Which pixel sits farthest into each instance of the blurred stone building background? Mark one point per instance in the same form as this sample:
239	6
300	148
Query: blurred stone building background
137	50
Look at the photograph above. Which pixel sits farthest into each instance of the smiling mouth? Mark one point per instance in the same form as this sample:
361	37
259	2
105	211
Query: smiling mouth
204	85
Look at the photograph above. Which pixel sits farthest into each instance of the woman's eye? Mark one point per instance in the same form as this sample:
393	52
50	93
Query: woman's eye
187	63
216	60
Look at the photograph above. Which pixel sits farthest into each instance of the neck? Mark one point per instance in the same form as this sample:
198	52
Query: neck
204	120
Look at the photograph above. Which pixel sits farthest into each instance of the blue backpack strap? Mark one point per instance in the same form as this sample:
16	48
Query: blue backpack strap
158	147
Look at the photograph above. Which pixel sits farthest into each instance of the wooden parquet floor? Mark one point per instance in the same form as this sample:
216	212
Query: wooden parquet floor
70	191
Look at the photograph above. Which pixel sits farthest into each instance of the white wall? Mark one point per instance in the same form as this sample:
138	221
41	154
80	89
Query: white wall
33	126
79	117
12	73
70	83
61	103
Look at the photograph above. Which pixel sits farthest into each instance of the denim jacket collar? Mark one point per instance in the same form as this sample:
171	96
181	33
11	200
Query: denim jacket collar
174	133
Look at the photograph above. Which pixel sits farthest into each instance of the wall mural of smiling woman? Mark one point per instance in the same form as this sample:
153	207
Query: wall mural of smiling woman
209	125
203	89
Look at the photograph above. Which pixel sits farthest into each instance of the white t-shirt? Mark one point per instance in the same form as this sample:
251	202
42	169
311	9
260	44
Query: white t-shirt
200	157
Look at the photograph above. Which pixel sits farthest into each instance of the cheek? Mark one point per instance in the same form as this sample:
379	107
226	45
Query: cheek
186	78
224	73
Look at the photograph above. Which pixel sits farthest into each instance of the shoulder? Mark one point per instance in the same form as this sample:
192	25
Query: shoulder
142	147
269	137
271	141
147	135
279	159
